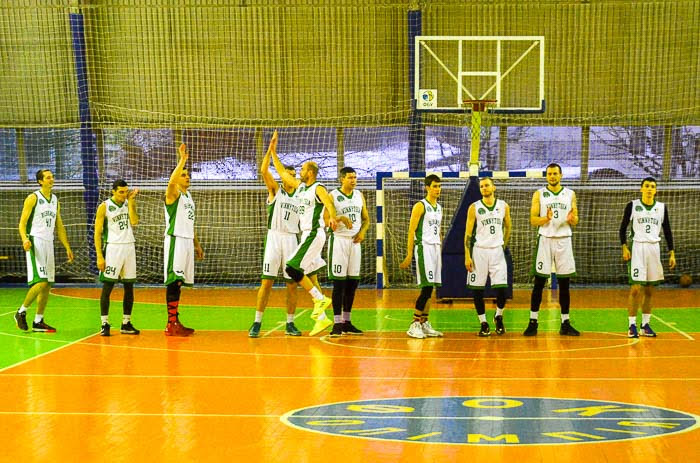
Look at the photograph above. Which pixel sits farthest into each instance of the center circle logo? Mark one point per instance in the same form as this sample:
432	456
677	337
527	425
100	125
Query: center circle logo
491	420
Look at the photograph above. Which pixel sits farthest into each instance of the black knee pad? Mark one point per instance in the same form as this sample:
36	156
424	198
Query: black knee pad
294	274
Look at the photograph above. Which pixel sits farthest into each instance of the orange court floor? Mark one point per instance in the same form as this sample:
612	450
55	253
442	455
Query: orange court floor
380	397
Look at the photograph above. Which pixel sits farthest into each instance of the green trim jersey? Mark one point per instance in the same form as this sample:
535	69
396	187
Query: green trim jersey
310	207
42	220
283	212
179	217
350	207
117	226
489	223
560	203
428	231
646	221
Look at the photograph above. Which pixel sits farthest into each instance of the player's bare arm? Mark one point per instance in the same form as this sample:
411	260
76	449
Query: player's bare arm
29	204
322	194
265	173
360	236
507	227
99	228
468	230
198	251
535	219
173	190
416	213
572	216
133	213
279	167
61	233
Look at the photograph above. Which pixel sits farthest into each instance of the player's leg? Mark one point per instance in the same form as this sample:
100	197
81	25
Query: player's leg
107	287
128	277
29	298
480	307
179	254
337	273
563	256
263	297
655	275
416	330
541	269
291	329
433	271
637	275
498	269
351	284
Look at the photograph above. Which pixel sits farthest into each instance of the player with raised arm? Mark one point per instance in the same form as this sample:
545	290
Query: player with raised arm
116	251
345	251
424	241
554	213
280	242
41	216
306	259
181	244
648	218
485	238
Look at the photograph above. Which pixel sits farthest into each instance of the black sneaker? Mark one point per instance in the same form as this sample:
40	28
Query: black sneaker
254	330
500	328
531	329
337	330
291	330
485	330
104	331
43	327
128	328
568	330
21	320
349	328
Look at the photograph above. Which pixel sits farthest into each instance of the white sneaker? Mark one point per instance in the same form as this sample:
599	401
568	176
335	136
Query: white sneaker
428	330
415	331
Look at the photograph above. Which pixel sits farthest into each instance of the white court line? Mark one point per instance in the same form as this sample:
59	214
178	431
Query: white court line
673	327
284	323
324	378
108	414
67	344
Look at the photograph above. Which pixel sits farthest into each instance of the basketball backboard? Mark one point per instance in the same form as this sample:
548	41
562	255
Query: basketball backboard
452	69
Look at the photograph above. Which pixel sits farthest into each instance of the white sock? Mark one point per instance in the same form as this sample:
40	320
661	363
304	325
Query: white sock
499	311
22	309
337	318
534	315
564	317
316	294
290	317
482	318
346	316
646	318
322	316
632	320
258	316
104	318
38	318
126	319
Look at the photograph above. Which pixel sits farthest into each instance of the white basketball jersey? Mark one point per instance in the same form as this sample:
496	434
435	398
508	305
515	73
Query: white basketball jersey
179	217
428	231
283	212
42	220
117	226
310	208
489	222
646	221
350	207
560	203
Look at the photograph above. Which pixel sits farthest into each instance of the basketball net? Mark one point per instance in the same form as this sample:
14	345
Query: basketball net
478	109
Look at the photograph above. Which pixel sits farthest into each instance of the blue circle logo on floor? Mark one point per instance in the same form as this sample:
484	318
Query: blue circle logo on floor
491	420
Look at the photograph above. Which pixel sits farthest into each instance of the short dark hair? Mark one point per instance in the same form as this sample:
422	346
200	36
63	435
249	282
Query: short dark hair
118	184
648	179
431	178
490	179
553	165
40	174
346	170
